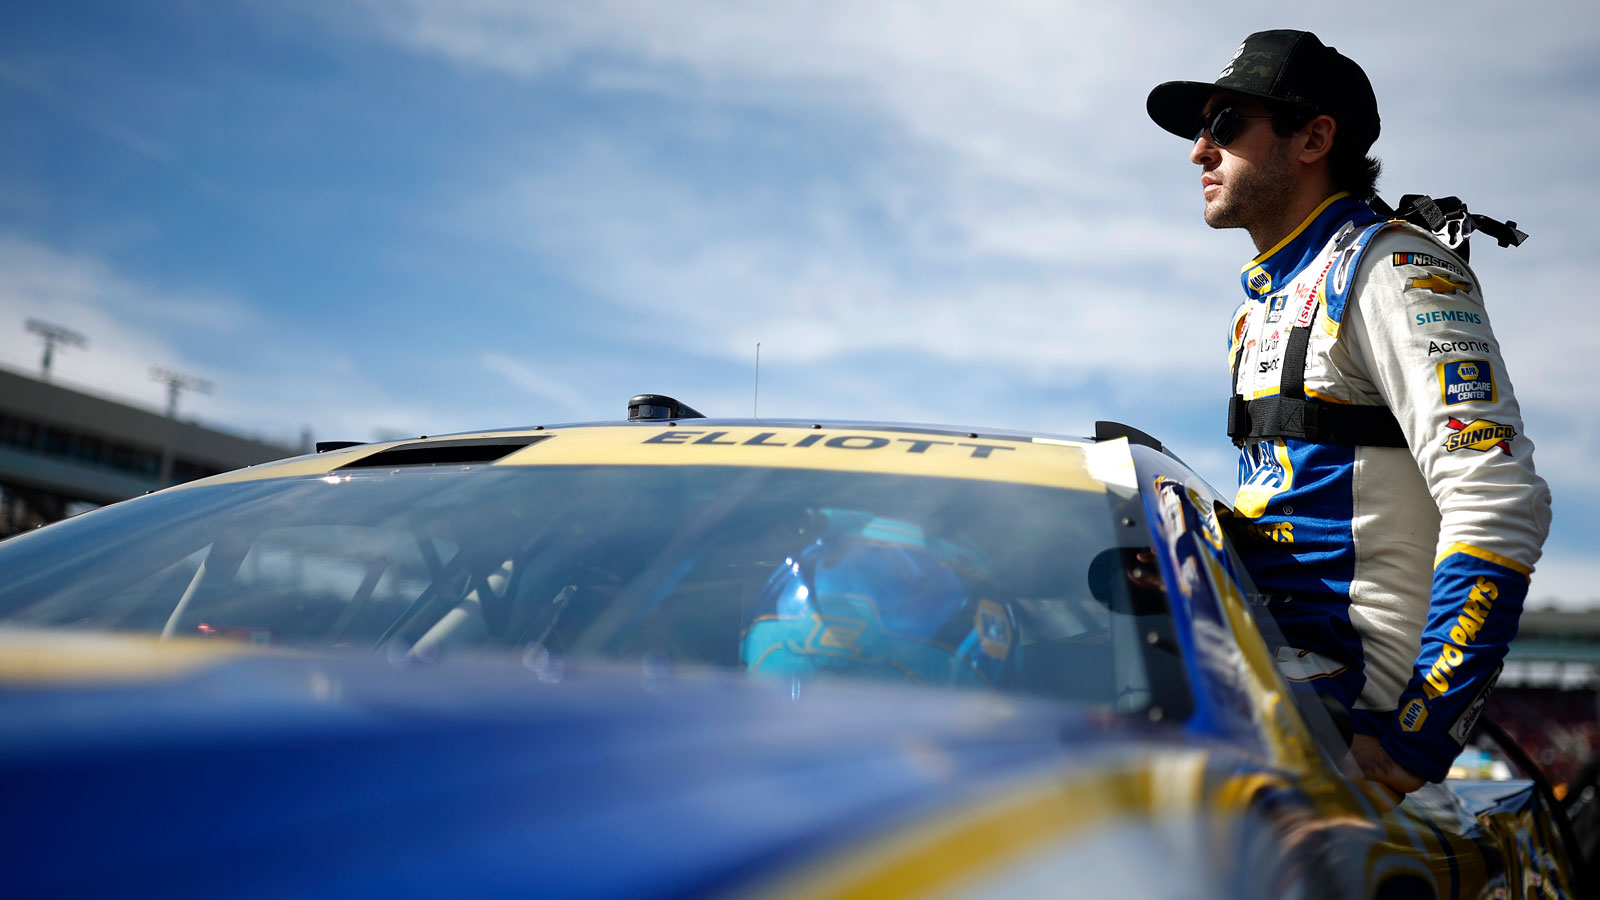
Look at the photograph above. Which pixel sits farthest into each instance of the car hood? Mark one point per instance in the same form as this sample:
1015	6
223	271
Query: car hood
278	775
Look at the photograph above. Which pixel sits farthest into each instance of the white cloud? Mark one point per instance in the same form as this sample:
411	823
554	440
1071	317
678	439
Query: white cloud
1025	215
530	381
271	386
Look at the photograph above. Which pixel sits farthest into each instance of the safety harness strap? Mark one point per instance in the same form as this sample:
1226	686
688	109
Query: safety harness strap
1292	415
1308	420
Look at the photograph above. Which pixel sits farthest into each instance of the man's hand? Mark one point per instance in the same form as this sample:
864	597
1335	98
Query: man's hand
1377	765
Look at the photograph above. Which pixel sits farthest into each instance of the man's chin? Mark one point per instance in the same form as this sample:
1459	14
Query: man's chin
1217	216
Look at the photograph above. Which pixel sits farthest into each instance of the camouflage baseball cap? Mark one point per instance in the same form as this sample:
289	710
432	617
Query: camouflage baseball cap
1281	68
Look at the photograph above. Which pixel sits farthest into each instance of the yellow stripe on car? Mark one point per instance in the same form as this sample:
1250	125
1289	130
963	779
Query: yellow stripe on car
60	657
689	443
1033	814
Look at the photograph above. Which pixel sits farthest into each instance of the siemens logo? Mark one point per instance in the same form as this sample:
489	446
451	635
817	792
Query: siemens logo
1449	315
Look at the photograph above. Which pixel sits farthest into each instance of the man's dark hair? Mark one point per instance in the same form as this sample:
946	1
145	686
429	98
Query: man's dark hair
1351	169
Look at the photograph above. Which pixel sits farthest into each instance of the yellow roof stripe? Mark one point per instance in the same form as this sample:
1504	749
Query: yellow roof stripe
1057	464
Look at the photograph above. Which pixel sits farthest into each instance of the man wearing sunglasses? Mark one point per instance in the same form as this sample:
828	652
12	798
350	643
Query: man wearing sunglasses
1388	503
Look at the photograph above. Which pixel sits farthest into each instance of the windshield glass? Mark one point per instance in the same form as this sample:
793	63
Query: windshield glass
781	573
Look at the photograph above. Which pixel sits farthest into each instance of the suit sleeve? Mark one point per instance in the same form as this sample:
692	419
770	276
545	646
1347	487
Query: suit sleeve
1419	329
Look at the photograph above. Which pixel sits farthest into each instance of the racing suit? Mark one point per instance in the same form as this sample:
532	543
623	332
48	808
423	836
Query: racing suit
1342	521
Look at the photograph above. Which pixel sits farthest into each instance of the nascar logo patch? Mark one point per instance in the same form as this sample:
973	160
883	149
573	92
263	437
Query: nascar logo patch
1427	261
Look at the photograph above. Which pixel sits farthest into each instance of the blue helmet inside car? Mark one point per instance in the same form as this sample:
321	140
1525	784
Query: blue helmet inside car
878	598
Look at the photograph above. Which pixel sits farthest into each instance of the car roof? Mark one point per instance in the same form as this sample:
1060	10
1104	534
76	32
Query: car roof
988	454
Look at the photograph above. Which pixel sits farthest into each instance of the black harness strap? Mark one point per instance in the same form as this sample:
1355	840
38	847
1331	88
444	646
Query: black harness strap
1292	415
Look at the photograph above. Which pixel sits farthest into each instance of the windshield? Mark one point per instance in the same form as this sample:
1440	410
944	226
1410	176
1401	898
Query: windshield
781	573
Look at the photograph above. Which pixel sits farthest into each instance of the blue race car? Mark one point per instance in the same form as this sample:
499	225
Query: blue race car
682	657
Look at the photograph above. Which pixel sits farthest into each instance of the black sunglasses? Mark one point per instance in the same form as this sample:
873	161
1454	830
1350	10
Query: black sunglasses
1224	125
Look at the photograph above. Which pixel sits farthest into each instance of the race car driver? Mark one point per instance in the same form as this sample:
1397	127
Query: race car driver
1379	436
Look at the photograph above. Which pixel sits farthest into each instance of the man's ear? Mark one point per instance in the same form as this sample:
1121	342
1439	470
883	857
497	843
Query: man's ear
1319	134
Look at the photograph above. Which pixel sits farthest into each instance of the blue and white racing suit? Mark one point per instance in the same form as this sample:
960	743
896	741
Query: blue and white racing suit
1348	532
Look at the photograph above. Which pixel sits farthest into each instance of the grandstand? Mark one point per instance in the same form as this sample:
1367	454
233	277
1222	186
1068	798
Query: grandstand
64	450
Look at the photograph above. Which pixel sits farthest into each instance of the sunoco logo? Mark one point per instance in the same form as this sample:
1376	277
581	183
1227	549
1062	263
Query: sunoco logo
1481	435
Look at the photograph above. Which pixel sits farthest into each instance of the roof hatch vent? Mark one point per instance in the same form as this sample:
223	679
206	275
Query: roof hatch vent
464	452
654	407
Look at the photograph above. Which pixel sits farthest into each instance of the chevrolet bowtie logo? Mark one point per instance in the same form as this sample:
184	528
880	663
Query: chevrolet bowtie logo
1439	284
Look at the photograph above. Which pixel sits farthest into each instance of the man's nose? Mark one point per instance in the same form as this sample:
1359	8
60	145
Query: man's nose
1205	151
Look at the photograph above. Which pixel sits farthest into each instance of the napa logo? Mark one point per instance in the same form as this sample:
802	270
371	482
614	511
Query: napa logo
1412	717
1466	381
1481	435
1259	279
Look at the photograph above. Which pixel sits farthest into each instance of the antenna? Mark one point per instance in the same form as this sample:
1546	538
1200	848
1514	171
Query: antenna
53	335
755	407
178	381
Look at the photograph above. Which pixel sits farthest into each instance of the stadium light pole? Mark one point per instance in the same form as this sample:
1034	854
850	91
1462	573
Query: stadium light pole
53	335
176	383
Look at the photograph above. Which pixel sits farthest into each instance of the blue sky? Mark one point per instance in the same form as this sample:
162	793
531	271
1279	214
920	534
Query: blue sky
397	217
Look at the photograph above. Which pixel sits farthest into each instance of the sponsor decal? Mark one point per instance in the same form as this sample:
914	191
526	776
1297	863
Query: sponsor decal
1189	579
1265	471
1437	347
1307	309
1345	235
1260	280
1481	435
1167	491
1209	526
1342	270
1412	717
1439	284
1466	381
1269	365
1275	305
1273	532
1469	716
1474	612
1271	343
1448	315
1428	261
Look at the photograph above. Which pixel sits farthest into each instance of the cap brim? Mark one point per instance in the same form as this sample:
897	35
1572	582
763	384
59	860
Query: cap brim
1177	105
